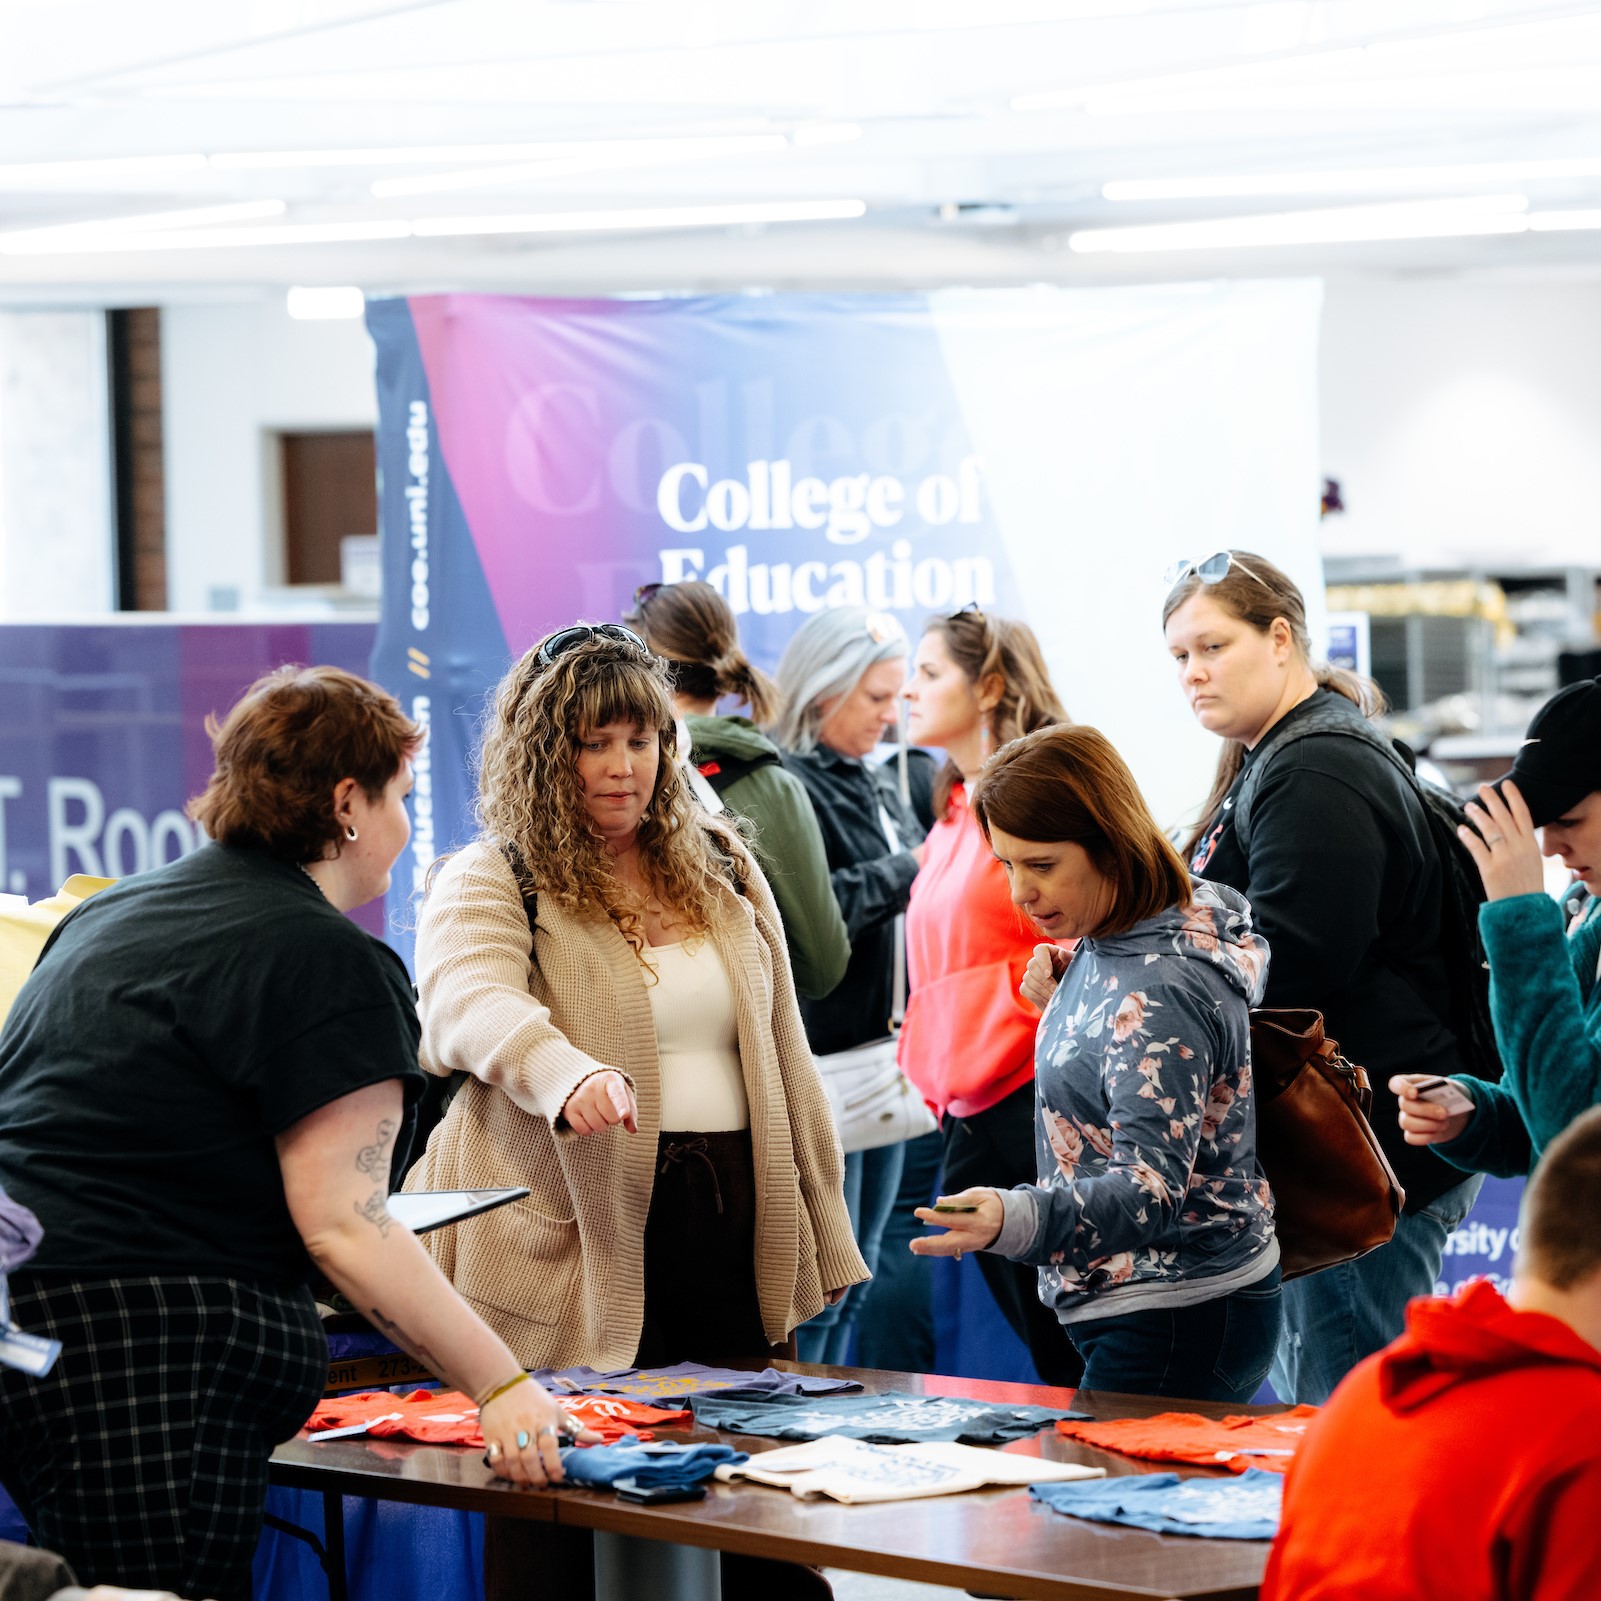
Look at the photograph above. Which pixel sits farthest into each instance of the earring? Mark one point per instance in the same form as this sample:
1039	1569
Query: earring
986	741
350	831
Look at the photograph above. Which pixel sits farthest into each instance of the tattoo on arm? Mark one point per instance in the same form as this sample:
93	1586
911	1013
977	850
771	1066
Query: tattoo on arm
376	1211
412	1347
373	1160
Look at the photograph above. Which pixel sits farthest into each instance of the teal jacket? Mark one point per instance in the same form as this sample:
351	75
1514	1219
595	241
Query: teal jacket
1545	1001
783	832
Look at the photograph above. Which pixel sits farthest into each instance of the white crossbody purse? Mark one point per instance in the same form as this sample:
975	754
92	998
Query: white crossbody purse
873	1101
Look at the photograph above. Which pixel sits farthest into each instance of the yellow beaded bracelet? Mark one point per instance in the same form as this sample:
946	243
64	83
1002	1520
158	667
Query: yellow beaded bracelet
500	1389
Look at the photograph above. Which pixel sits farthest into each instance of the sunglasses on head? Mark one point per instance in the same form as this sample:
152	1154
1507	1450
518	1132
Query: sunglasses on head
1211	569
646	593
567	639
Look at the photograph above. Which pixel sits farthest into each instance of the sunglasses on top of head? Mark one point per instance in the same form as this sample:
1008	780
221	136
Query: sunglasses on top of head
1211	569
567	639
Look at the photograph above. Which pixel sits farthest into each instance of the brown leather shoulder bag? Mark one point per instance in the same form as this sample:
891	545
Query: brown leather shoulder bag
1335	1194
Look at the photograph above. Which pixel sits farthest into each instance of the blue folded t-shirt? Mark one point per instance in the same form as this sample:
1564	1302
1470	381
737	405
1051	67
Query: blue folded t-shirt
657	1463
1245	1507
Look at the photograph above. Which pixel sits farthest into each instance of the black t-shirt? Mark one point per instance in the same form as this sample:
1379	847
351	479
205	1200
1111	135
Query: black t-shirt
174	1025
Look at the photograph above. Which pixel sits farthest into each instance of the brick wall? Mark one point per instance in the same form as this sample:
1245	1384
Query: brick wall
135	347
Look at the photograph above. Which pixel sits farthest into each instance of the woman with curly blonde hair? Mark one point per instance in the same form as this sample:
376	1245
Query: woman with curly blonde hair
607	962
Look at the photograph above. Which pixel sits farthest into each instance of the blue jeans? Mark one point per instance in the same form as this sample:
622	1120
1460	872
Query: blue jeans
1333	1319
1217	1350
872	1179
895	1326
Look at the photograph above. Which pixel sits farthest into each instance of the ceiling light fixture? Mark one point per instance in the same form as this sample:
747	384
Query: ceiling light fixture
380	156
1429	219
26	241
601	156
325	303
646	218
826	133
33	172
289	233
1352	180
1563	221
317	233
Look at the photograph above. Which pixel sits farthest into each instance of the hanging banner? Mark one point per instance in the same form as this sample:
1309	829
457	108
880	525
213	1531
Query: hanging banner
103	739
1045	453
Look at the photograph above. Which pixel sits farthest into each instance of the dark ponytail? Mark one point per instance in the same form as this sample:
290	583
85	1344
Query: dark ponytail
691	626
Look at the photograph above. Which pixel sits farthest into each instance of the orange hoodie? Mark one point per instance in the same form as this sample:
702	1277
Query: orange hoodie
1462	1463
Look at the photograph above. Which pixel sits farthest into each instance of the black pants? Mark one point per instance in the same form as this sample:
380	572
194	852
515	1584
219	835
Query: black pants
700	1306
142	1456
996	1148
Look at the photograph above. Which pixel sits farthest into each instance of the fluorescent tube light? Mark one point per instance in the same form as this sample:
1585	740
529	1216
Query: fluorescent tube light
1429	219
602	156
826	133
289	233
380	156
1563	221
325	304
651	217
31	172
1352	180
317	233
35	240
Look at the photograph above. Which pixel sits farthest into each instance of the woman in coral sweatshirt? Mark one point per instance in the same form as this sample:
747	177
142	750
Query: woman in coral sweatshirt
968	1042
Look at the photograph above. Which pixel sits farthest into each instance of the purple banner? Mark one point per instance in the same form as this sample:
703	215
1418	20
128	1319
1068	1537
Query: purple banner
102	736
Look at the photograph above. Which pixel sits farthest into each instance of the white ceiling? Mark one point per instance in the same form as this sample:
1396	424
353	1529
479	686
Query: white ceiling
965	178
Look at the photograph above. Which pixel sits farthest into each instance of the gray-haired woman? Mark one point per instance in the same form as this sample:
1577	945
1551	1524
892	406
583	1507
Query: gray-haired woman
841	677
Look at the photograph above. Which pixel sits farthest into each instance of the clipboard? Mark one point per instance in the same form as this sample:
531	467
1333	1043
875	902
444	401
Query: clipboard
422	1210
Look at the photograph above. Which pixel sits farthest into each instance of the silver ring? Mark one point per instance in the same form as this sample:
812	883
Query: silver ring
493	1453
1494	839
958	1256
549	1428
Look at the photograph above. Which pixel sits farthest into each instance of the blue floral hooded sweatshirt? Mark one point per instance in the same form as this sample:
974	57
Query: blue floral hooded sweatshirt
1150	1192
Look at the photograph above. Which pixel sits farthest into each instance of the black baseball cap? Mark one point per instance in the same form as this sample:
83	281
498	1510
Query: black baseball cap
1559	762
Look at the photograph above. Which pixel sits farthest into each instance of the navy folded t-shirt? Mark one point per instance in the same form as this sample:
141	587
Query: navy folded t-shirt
892	1418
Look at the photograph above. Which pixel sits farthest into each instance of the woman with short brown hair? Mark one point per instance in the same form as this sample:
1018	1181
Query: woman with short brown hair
1153	1231
203	1090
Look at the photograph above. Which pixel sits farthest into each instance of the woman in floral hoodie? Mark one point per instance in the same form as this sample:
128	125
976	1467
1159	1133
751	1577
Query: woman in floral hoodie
1151	1225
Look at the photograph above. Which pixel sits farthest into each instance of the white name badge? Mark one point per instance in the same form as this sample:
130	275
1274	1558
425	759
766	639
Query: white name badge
28	1353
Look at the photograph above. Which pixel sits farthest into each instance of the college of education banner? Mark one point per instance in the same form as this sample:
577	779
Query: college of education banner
1046	453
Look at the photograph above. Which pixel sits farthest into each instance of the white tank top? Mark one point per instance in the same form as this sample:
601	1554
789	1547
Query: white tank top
697	1039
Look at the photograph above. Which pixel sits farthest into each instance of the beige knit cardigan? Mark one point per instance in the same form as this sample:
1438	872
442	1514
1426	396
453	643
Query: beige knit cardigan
560	1276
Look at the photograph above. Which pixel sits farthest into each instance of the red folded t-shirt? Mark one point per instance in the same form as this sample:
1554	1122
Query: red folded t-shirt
447	1417
1235	1443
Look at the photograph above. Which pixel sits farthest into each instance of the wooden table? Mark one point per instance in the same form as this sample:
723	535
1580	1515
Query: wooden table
998	1541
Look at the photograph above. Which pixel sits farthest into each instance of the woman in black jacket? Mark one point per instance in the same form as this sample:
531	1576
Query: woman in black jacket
841	677
1327	837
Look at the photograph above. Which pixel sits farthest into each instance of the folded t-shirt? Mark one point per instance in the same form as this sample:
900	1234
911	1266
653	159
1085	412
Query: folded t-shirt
1236	1443
688	1378
1246	1508
447	1417
886	1419
600	1466
854	1471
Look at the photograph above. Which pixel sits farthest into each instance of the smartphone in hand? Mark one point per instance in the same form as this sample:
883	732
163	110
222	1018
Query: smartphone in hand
1442	1092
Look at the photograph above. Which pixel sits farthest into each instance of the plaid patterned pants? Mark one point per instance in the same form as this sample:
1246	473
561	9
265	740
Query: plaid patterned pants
142	1457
